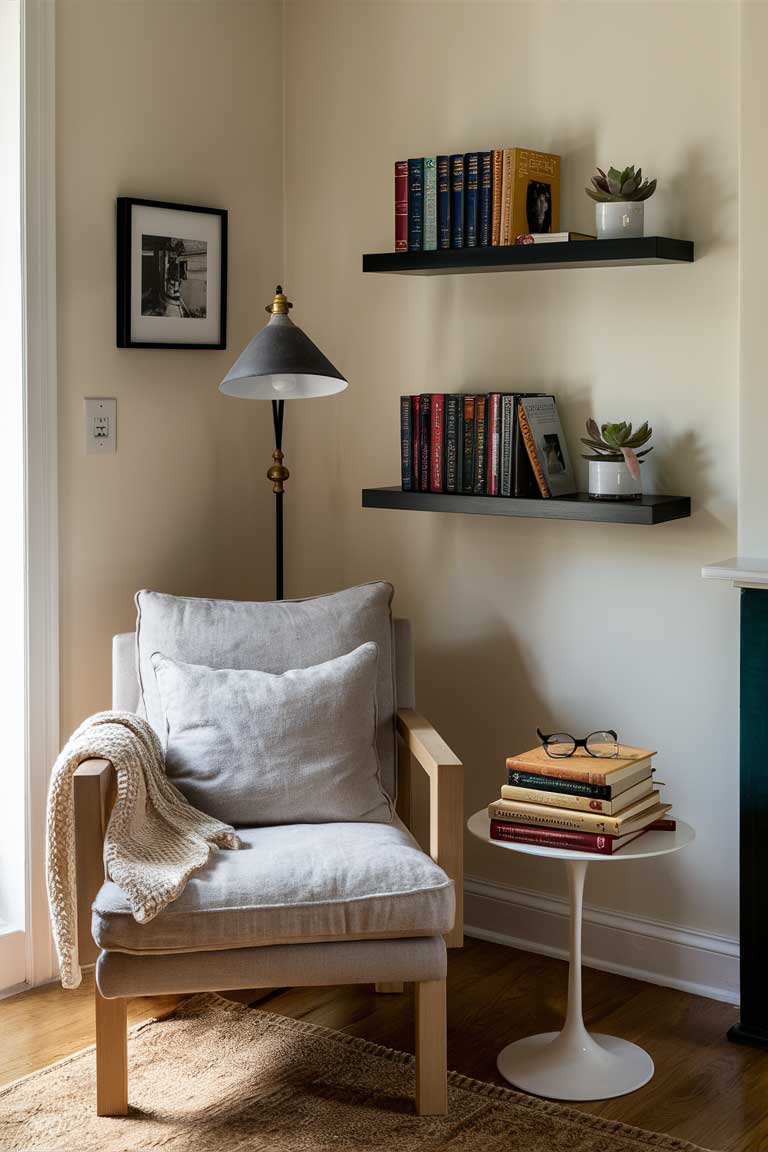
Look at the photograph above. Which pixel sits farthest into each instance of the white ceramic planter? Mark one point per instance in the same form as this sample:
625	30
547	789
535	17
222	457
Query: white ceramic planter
612	480
619	218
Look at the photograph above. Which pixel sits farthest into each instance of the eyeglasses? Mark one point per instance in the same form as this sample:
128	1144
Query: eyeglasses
603	745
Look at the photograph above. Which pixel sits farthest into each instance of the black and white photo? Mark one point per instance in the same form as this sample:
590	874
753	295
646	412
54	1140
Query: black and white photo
171	275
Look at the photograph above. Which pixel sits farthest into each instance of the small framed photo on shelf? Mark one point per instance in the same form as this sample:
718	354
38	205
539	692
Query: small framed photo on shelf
171	275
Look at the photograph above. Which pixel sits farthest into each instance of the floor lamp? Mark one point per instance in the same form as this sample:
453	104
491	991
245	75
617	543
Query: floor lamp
280	364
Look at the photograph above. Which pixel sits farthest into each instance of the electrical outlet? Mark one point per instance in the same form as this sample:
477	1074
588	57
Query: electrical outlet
100	425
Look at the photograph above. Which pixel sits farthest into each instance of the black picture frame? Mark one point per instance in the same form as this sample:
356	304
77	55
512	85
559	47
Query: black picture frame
124	263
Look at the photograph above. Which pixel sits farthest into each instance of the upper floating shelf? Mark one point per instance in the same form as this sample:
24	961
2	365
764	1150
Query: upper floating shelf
623	253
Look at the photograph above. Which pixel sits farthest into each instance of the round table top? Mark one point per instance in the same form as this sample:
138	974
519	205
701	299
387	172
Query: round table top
649	844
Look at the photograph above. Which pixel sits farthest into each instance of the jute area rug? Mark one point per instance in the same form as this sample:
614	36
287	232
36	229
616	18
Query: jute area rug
218	1077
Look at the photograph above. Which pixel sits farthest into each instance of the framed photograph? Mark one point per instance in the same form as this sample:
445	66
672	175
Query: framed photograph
171	275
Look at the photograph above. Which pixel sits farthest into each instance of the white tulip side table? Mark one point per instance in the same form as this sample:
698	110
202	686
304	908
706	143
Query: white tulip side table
574	1064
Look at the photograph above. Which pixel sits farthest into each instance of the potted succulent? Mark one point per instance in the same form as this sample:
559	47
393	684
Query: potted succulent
620	197
614	459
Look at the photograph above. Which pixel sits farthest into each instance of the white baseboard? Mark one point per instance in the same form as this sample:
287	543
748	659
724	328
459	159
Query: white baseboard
12	956
684	958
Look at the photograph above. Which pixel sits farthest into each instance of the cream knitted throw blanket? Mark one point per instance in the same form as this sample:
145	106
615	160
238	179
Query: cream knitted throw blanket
154	841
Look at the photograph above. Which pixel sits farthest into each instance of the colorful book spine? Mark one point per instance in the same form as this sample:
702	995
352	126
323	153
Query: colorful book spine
578	803
425	426
406	443
443	201
481	441
556	838
505	448
497	164
430	203
471	199
437	443
486	193
506	236
401	206
457	200
568	820
520	779
523	480
493	468
415	205
533	452
452	453
468	445
416	434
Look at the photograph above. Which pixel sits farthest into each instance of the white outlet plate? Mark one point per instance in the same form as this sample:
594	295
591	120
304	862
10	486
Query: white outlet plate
100	425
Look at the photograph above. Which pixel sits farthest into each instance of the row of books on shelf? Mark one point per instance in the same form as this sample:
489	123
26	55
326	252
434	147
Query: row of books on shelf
485	444
478	199
579	802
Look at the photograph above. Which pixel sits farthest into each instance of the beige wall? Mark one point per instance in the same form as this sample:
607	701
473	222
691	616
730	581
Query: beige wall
523	622
181	102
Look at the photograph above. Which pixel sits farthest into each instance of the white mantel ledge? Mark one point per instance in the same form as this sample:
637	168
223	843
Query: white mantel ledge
743	571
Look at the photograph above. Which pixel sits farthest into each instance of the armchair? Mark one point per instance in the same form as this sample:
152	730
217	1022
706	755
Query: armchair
191	948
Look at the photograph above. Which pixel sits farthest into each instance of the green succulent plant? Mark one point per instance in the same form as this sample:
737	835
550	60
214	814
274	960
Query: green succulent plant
617	442
618	185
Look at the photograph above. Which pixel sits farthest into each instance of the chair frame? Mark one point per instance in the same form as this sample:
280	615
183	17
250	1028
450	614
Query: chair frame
418	743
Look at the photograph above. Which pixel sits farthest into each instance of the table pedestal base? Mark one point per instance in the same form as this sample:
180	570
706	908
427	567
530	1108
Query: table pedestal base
575	1066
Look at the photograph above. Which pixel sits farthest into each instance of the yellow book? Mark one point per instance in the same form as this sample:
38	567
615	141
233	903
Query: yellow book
633	819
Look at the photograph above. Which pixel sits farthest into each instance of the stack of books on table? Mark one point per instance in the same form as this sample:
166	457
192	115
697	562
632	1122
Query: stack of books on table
581	803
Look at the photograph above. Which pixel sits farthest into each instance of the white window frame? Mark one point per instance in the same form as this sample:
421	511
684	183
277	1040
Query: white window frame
38	205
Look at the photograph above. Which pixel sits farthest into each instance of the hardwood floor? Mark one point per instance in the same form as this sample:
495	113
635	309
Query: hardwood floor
705	1089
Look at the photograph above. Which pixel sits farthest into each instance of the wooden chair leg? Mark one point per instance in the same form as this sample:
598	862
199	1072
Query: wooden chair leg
111	1056
391	987
431	1049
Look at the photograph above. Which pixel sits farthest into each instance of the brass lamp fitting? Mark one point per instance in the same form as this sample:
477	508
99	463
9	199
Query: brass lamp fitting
278	473
280	305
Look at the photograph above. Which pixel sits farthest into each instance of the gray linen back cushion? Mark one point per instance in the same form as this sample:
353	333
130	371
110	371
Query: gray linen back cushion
254	748
273	636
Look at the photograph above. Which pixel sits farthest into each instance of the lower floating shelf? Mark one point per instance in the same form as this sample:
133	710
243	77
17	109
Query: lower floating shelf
646	510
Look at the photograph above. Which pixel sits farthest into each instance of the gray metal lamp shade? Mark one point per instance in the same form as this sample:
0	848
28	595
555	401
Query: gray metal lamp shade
281	363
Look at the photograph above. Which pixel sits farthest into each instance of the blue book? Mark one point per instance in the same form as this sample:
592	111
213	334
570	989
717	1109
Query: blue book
415	205
486	193
471	199
430	204
443	202
457	200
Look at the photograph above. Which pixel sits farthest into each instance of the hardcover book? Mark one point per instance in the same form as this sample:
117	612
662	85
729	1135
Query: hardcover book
497	162
587	769
443	202
541	795
468	449
401	206
577	788
506	197
534	192
633	819
505	444
436	443
406	443
416	429
457	200
546	445
415	205
430	203
471	199
452	443
481	447
486	195
425	428
493	467
557	838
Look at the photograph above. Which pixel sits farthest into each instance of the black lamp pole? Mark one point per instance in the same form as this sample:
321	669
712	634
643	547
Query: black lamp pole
278	474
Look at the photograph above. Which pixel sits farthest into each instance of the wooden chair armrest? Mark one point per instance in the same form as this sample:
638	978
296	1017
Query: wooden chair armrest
95	785
446	804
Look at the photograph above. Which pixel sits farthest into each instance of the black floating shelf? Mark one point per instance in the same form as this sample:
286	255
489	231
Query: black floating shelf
623	253
646	510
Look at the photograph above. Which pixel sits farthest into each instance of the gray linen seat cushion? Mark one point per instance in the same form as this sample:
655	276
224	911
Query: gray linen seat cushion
292	883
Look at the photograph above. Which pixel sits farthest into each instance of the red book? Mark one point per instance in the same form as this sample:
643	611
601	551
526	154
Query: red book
401	206
494	443
416	401
560	838
436	435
